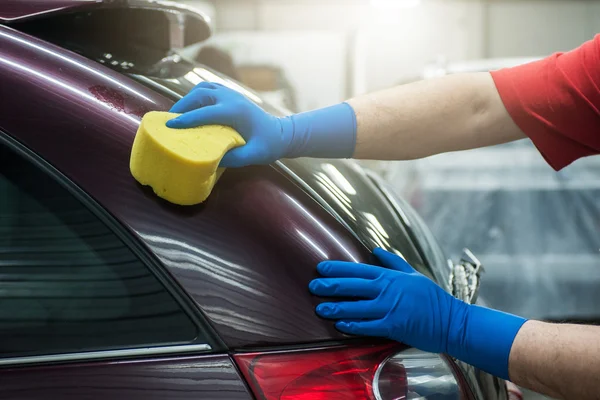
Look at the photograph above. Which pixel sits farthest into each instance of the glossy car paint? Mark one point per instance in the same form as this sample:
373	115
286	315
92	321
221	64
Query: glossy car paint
345	186
82	118
185	378
241	256
342	187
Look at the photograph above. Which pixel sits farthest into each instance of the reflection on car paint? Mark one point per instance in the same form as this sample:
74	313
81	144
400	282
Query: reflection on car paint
358	204
185	378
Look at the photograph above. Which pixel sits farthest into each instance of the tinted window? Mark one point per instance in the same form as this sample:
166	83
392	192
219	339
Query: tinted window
67	283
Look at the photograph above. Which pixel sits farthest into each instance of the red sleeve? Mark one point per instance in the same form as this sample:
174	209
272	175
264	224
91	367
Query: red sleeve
556	102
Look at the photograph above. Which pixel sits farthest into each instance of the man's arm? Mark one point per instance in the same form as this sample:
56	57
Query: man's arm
555	102
456	112
406	122
561	361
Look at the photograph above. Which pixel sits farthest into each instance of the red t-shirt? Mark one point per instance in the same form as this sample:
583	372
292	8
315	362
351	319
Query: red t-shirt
556	102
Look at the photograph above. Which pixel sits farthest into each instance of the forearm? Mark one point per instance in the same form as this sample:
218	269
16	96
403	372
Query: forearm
562	361
417	120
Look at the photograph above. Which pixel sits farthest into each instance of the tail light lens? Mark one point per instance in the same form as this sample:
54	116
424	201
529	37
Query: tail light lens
428	376
376	372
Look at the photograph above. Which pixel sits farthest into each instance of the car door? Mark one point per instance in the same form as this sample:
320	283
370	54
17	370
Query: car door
85	312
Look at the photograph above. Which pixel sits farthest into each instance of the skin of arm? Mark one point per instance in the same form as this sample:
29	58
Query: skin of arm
561	361
456	112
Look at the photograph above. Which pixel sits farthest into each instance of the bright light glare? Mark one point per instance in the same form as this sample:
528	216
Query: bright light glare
390	4
339	179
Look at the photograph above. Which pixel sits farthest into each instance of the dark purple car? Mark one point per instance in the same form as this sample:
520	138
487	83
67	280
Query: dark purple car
107	292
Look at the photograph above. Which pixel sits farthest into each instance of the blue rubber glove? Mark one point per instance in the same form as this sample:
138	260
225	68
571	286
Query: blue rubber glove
401	304
328	132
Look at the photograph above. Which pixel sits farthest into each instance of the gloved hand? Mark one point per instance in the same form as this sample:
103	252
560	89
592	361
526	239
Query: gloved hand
401	304
328	132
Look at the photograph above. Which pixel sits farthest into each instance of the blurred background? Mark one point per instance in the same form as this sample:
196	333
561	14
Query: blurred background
535	230
328	50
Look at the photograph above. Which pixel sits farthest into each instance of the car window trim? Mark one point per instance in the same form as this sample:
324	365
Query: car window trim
186	304
106	354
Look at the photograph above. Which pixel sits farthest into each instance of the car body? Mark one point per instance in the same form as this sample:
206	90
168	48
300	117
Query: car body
534	229
109	292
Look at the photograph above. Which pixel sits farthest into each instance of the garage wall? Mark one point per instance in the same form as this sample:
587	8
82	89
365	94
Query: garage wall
394	51
400	43
384	48
533	27
288	15
380	48
314	62
205	6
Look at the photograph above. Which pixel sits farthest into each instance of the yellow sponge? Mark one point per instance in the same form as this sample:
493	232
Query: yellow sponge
181	165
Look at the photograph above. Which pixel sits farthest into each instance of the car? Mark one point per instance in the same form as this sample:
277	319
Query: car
107	291
534	229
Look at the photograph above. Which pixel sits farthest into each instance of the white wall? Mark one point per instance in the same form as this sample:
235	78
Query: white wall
400	43
269	15
236	15
395	45
314	62
204	6
530	27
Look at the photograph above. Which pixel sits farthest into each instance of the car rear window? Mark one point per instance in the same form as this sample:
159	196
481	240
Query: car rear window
67	282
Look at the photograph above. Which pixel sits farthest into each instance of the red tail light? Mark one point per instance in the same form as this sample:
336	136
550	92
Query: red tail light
342	373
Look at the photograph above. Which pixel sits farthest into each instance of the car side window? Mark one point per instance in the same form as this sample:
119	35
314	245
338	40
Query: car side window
67	283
